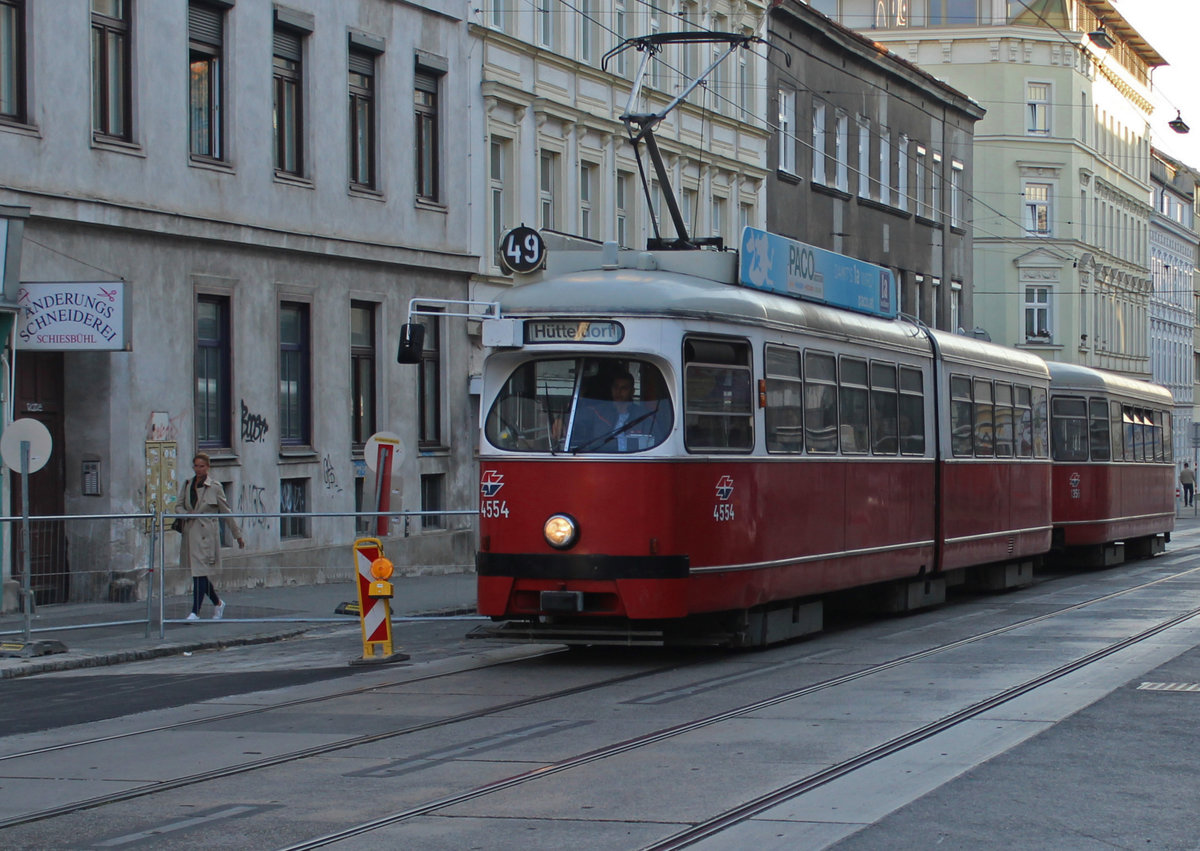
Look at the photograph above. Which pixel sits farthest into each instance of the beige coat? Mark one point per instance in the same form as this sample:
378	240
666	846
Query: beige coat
201	548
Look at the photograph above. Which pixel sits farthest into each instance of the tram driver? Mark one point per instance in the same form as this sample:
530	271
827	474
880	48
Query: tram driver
618	424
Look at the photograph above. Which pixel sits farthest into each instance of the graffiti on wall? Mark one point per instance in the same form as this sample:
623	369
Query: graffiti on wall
254	426
162	426
250	501
330	475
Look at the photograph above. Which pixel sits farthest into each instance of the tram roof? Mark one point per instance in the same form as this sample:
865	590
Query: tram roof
669	293
1073	376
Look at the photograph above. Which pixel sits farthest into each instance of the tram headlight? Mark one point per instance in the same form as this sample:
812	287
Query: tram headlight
561	531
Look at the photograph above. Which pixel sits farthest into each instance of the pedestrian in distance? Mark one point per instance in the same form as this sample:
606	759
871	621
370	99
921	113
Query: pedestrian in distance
200	551
1187	478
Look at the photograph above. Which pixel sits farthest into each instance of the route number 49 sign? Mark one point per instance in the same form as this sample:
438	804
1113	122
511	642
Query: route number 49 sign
522	250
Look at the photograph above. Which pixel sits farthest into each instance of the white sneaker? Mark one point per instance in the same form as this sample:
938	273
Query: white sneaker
220	612
192	616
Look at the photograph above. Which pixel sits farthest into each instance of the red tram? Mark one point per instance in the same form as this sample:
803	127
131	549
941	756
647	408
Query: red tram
1114	476
670	457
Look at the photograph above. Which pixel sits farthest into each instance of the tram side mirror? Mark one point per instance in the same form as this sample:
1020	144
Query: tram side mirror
412	340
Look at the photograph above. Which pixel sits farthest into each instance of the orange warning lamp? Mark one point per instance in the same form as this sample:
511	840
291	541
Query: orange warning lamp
381	569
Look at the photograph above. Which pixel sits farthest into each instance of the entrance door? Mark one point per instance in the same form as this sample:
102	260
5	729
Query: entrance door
39	395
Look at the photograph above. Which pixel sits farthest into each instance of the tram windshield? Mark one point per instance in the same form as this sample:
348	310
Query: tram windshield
581	405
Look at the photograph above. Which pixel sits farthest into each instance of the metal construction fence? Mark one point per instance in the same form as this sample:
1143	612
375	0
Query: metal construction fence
121	569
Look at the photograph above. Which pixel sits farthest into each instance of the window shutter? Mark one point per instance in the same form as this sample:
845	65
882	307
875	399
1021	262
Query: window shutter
362	63
287	44
205	24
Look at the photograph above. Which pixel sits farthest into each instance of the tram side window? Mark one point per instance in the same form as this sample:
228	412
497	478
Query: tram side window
1004	420
1116	423
962	425
785	400
1023	422
1132	427
820	403
912	412
852	403
1068	429
718	412
1154	435
1040	448
1168	439
984	419
1098	429
885	410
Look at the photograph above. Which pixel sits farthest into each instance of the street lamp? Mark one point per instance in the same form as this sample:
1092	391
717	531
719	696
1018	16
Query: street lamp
1178	124
1101	38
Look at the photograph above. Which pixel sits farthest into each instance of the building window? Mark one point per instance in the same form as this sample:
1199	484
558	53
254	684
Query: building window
12	60
1038	109
902	173
955	304
956	193
295	391
587	195
432	500
546	17
213	384
547	189
885	167
922	200
362	372
1037	314
717	216
111	83
1037	208
362	119
787	131
288	105
429	384
654	69
293	499
620	33
497	14
818	143
935	188
864	157
841	151
499	165
428	138
206	39
587	30
625	192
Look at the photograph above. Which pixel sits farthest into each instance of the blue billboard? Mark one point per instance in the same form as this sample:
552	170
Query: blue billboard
776	264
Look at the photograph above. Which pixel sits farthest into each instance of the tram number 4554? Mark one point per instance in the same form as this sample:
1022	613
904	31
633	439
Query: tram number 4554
493	508
722	512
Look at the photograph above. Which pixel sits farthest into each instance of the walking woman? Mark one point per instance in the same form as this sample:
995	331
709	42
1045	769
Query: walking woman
201	548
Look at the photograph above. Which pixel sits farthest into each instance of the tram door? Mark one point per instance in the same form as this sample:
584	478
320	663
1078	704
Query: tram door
39	395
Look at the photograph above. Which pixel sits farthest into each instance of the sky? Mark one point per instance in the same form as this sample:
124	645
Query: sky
1172	27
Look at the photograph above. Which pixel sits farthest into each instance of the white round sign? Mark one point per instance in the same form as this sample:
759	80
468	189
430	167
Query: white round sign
26	430
371	450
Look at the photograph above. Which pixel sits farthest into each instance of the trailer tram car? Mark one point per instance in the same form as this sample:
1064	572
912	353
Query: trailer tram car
770	451
1114	474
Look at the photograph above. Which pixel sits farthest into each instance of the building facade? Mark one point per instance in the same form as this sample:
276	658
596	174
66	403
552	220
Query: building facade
1173	249
270	184
1061	213
556	155
872	158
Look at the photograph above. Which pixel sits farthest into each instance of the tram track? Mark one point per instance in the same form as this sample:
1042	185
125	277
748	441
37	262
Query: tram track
808	783
745	812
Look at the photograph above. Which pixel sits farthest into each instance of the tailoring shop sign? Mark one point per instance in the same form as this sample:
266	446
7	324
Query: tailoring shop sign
71	316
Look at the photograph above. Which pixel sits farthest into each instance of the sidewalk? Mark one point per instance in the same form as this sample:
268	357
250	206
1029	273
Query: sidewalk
252	616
